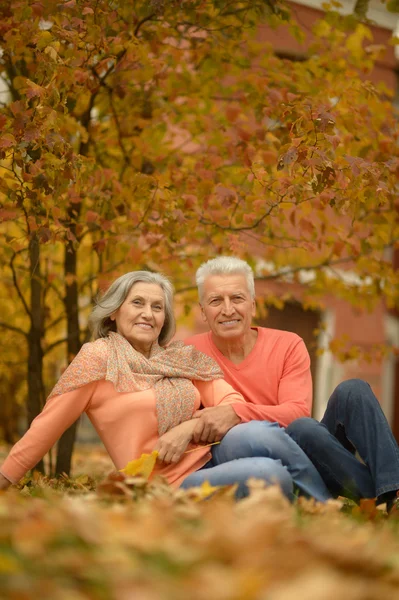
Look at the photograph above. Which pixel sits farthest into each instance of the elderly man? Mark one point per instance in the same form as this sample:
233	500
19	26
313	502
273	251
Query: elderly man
271	369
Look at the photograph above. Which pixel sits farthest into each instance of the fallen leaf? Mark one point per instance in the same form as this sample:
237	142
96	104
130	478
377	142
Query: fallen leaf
141	466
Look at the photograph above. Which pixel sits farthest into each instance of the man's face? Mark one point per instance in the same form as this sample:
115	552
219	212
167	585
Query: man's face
227	306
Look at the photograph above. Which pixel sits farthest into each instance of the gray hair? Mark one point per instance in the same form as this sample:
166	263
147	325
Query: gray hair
224	265
100	322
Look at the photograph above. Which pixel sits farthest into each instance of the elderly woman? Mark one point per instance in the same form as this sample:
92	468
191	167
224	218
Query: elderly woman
140	394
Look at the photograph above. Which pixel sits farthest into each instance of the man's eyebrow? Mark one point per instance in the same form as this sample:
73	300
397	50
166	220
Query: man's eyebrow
214	296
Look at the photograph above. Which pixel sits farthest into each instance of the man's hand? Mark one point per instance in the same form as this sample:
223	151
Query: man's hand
214	423
172	444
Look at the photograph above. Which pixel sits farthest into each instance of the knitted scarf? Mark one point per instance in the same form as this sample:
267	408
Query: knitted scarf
170	371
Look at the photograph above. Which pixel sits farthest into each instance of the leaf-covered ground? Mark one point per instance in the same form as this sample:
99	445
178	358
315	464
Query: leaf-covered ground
110	537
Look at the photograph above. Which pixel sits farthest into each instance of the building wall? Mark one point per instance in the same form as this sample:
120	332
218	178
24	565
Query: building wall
363	329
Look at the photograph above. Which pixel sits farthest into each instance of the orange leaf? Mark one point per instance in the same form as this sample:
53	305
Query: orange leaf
91	216
7	140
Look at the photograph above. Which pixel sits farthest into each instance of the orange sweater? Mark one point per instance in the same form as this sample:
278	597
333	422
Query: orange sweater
274	378
126	423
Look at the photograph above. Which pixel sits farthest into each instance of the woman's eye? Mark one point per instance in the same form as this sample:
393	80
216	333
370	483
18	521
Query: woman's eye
136	302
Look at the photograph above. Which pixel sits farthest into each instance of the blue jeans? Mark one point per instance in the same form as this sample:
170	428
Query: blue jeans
353	421
239	471
247	446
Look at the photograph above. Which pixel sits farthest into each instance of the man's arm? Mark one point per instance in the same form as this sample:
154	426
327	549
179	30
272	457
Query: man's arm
281	414
294	401
294	398
214	421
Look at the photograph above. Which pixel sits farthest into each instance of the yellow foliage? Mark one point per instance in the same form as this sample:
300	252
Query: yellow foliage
143	466
354	43
204	491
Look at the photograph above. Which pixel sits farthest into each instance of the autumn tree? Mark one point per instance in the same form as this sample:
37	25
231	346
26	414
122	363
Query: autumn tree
157	134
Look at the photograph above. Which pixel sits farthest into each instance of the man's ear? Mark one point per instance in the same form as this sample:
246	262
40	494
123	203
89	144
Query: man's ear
203	314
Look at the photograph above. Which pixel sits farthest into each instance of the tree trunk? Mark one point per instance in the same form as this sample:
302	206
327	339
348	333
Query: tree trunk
67	440
35	354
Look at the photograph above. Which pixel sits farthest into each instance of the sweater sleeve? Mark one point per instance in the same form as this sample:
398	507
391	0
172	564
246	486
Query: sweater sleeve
217	392
294	399
57	415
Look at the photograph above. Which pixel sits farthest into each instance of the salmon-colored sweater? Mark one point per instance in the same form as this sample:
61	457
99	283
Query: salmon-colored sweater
274	378
126	423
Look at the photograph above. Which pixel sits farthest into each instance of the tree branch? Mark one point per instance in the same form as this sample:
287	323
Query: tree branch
140	23
48	349
324	263
12	328
54	322
360	9
244	227
16	285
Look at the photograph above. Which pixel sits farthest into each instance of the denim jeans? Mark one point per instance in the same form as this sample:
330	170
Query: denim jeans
248	446
353	421
239	471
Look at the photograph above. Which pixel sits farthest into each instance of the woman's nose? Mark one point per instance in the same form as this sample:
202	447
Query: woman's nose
146	312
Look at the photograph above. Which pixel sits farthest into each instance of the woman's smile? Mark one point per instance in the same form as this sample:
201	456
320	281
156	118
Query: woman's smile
141	316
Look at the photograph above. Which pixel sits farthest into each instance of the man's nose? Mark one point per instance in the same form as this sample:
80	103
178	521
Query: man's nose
228	307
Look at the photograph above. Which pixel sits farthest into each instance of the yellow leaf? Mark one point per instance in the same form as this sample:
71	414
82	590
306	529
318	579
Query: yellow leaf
354	42
8	564
205	490
143	466
44	39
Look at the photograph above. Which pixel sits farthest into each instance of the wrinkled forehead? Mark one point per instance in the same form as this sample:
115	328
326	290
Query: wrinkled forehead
146	290
225	285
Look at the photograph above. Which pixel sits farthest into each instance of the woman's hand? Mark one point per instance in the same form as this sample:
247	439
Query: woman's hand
4	483
172	444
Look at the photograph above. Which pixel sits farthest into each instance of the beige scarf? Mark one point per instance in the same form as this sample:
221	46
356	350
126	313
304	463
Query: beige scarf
170	371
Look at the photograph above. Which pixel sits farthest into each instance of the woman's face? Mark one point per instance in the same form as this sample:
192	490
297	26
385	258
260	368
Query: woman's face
141	316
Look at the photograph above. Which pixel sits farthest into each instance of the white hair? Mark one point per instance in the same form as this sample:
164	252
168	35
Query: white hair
100	321
225	265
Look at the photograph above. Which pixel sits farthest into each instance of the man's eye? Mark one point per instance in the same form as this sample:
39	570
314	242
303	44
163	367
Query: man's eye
215	302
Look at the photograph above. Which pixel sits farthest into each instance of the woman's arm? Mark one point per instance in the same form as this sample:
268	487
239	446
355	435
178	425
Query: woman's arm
57	415
172	445
4	482
217	393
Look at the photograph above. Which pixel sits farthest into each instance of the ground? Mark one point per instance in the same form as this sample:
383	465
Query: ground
101	536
